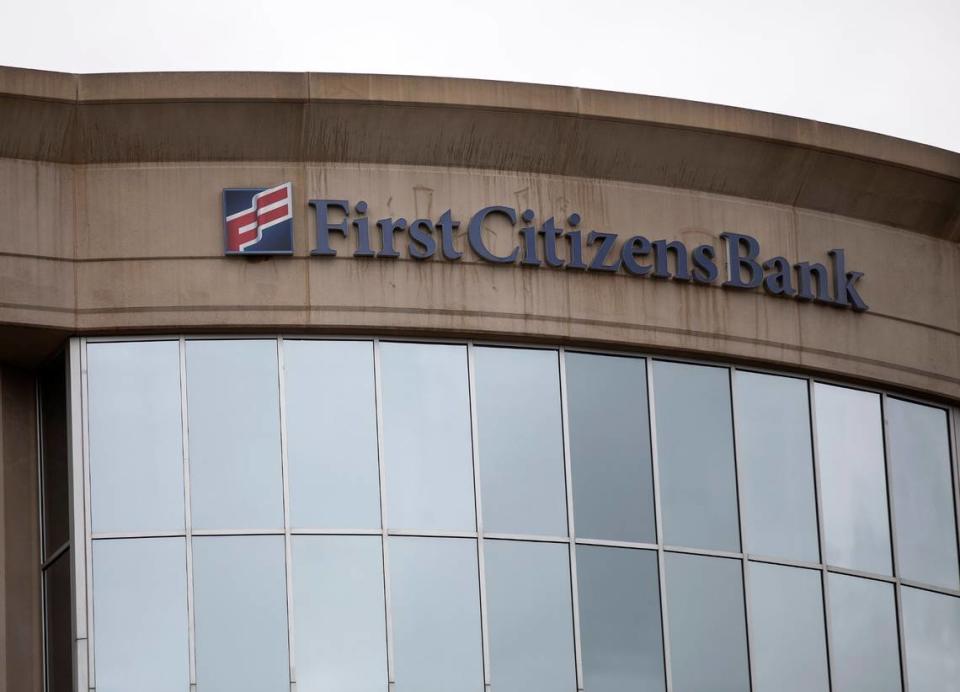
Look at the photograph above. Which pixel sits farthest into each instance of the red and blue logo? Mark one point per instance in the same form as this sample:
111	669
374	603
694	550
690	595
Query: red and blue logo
259	221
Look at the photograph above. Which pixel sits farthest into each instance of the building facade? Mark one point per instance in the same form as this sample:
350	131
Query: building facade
349	383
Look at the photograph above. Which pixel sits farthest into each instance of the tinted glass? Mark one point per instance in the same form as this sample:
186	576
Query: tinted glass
863	635
240	613
521	441
530	617
136	446
55	479
852	479
435	594
787	629
426	436
233	404
331	419
338	612
922	489
620	630
931	624
610	448
776	466
140	615
708	640
698	483
58	625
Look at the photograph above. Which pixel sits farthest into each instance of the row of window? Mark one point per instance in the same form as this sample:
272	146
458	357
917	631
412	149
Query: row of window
329	415
442	515
339	630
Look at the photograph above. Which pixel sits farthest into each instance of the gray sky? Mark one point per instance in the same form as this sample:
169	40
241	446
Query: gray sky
891	66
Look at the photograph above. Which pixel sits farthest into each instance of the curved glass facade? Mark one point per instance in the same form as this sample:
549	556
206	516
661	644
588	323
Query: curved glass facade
344	514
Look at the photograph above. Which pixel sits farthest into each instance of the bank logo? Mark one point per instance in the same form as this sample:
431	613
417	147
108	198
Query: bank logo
259	221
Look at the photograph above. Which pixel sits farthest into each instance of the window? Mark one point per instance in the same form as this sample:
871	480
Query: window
610	448
331	422
921	485
776	465
620	628
521	441
708	639
863	635
698	483
852	479
427	444
788	629
531	619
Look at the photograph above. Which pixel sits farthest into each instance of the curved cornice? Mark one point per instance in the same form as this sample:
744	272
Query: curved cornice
160	117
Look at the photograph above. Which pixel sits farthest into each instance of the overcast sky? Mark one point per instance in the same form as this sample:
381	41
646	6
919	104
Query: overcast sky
891	66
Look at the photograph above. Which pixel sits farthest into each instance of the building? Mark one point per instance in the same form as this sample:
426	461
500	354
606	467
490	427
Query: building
555	389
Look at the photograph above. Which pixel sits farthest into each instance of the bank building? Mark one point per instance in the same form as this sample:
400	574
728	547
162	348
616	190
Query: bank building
355	383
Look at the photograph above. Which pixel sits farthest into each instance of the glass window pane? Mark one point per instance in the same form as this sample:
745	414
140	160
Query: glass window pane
331	419
787	629
530	617
136	444
341	640
620	631
922	492
776	466
233	408
865	654
435	595
240	613
426	436
53	430
140	615
521	441
852	479
931	624
58	627
610	448
698	483
708	639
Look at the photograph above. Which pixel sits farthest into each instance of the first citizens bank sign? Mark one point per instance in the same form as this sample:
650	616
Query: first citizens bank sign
259	221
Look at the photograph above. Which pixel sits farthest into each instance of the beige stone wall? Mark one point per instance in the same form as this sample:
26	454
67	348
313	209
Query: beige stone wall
139	247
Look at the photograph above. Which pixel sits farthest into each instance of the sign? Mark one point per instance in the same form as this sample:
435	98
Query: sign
258	221
548	243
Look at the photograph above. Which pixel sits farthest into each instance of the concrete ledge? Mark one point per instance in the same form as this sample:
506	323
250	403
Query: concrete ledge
307	117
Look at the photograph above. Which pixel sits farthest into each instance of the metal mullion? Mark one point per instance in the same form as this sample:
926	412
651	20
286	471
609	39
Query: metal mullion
894	557
187	511
658	516
821	536
782	561
41	523
532	538
237	532
428	533
571	532
54	556
952	429
886	578
87	514
388	605
744	563
707	552
901	638
118	535
932	588
478	505
287	540
615	544
334	532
